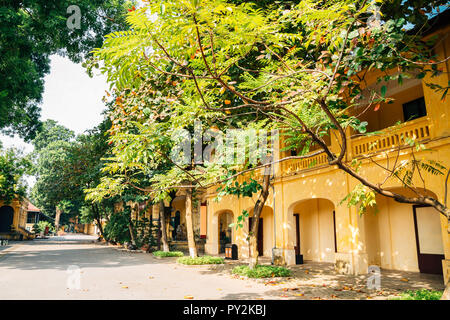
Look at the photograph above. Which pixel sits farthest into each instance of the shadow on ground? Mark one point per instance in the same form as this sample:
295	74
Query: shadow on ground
318	281
85	257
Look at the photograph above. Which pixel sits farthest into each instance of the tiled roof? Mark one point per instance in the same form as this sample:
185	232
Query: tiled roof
32	208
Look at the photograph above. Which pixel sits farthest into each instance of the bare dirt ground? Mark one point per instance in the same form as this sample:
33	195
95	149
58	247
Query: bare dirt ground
44	269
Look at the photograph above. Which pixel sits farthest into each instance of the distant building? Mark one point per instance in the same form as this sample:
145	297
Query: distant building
13	220
34	215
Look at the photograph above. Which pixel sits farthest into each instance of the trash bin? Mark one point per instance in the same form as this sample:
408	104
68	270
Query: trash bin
231	252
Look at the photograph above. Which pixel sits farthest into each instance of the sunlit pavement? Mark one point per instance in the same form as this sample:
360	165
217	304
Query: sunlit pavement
39	269
54	268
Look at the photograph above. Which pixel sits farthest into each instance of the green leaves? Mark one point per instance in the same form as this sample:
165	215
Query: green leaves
239	224
383	91
361	197
235	66
244	189
358	125
353	34
13	167
65	166
31	32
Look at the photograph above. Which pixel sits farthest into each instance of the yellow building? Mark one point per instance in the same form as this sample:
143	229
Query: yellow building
303	214
13	220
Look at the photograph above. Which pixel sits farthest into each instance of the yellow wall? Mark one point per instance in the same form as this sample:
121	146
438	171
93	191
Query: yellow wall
390	113
387	238
316	230
20	214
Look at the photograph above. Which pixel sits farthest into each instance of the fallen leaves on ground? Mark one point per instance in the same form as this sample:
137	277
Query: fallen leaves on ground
299	294
404	280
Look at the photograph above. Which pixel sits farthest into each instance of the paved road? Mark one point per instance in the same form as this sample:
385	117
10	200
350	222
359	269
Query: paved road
39	270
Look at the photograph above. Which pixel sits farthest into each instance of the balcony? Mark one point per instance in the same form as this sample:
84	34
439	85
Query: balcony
296	165
389	138
392	137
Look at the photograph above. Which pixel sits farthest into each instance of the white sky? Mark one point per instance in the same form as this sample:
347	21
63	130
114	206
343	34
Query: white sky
71	97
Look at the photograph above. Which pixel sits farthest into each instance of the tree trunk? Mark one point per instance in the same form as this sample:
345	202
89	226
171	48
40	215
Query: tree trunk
259	205
162	218
100	227
132	234
57	218
190	225
97	218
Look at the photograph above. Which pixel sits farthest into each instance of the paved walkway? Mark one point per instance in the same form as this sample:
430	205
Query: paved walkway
318	281
39	270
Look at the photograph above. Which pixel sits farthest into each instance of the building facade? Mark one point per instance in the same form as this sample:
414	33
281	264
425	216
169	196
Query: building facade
13	220
304	215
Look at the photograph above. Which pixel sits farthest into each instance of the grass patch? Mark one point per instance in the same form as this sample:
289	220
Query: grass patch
164	254
262	271
422	294
200	260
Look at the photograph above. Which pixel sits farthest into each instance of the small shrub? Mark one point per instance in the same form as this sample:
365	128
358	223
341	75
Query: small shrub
262	271
200	260
422	294
164	254
41	225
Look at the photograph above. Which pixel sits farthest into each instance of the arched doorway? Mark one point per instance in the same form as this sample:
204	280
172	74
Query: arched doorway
314	230
6	219
225	232
176	220
403	237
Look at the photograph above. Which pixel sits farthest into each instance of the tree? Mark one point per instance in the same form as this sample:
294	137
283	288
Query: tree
314	60
51	158
65	166
51	132
85	171
31	31
13	167
172	109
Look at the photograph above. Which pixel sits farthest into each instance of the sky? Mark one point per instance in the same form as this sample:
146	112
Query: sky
70	97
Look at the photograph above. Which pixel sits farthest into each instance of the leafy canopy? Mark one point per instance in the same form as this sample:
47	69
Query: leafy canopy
31	31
